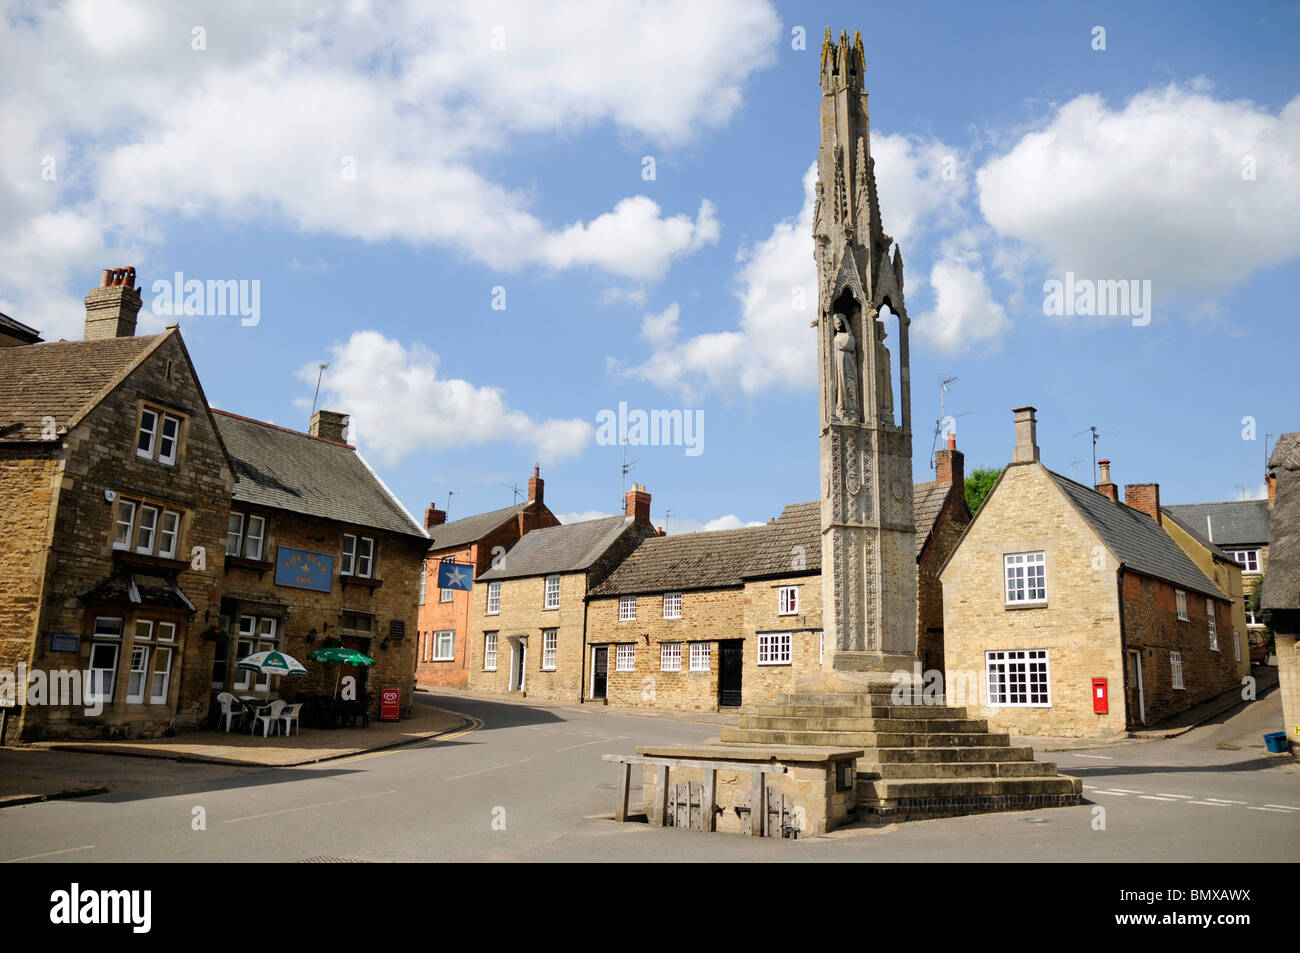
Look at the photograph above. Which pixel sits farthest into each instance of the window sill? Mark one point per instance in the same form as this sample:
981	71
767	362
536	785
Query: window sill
129	558
365	582
1016	606
243	562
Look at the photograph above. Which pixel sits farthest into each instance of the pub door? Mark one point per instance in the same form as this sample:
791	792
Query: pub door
599	672
731	664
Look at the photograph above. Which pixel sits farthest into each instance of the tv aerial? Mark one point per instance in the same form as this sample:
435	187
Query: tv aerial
1095	437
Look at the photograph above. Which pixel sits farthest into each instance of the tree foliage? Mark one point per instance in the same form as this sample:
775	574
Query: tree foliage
978	484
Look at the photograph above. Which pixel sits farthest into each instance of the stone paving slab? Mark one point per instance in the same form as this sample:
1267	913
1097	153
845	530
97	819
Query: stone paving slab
242	748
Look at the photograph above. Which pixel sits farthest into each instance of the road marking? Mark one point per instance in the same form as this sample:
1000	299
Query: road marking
496	768
598	741
1223	800
1152	797
1125	791
1272	810
309	807
1099	757
1116	793
473	724
1210	803
1285	807
70	850
1167	794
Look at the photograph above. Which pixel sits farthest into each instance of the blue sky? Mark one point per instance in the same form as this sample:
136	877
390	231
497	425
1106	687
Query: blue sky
495	147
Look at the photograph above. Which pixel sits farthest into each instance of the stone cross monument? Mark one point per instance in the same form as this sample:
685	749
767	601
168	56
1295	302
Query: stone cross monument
868	532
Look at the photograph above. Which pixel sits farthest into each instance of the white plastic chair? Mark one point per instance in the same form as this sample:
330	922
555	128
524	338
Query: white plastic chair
289	719
230	707
270	715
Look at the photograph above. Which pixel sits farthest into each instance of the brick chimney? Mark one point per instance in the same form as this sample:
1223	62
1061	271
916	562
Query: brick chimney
1026	450
536	486
950	465
329	425
1270	478
434	516
1105	487
1144	497
111	309
637	501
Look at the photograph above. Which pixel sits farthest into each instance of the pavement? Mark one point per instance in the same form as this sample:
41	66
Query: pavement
525	782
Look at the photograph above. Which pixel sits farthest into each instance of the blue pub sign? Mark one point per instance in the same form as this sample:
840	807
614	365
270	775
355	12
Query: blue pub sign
304	570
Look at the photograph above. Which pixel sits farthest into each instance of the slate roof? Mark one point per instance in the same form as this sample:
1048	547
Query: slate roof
705	560
1135	539
1235	523
139	588
559	549
774	553
471	528
62	379
927	504
1282	581
288	470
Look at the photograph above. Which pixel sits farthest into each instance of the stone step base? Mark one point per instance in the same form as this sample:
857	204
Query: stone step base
856	711
887	789
966	755
852	699
888	725
899	770
895	810
864	739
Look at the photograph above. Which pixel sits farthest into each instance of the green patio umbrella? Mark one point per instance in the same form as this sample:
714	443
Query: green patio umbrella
273	663
338	655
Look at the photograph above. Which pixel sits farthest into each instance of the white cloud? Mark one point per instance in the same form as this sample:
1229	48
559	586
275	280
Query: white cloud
370	376
256	126
678	526
964	312
583	516
661	329
1153	190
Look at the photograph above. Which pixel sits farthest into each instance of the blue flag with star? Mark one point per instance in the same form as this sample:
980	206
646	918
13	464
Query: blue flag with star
455	576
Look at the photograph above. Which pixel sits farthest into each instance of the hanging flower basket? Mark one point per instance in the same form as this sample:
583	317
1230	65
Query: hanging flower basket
212	633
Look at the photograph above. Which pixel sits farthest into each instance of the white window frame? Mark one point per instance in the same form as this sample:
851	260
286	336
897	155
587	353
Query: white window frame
165	456
167	539
165	627
1017	572
627	608
1176	671
365	556
249	536
550	649
1032	686
1214	625
424	583
670	656
348	555
140	529
625	657
489	651
161	653
446	595
672	605
119	541
243	677
1244	558
1180	602
137	675
551	597
494	598
101	685
444	645
701	653
1236	645
143	631
775	648
151	430
787	600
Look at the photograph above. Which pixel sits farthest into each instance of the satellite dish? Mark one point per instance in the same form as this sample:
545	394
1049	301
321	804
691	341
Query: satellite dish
110	495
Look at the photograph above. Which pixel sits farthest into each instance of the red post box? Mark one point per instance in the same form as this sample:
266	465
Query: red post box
388	704
1100	703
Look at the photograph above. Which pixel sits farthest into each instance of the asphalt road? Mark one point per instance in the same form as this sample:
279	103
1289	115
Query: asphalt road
527	783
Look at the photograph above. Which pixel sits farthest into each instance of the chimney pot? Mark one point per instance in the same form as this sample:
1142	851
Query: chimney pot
637	504
1026	450
536	486
112	308
950	465
434	516
1106	488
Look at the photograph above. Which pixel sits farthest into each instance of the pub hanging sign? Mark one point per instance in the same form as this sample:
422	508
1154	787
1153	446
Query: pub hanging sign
304	570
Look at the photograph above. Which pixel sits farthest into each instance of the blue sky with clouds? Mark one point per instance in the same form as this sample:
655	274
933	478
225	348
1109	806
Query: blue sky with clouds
496	146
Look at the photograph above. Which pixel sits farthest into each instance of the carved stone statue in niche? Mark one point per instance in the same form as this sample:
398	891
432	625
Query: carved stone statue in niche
884	379
845	351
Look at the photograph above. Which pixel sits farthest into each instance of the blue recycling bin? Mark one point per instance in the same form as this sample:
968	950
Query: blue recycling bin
1275	741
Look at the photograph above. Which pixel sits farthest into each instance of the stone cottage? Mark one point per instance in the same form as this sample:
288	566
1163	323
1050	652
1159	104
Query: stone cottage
1281	597
475	541
116	485
529	618
317	551
1067	612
